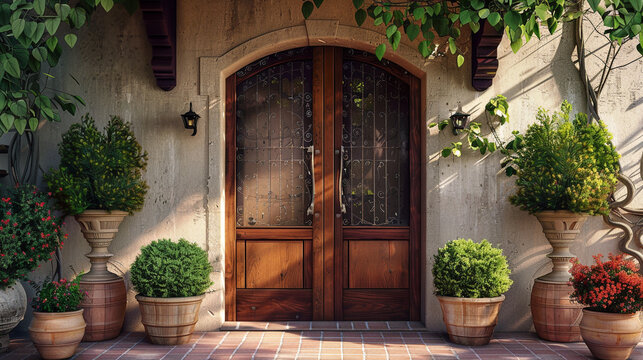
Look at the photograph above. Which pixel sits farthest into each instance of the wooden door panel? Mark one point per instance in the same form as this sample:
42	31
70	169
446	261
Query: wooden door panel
274	305
380	304
378	264
241	264
274	264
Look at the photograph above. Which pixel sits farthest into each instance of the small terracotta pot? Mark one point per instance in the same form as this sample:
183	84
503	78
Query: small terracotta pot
57	335
610	336
169	321
470	321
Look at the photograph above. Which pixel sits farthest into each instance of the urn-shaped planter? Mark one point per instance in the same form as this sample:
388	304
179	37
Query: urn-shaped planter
610	336
169	321
13	304
57	335
470	321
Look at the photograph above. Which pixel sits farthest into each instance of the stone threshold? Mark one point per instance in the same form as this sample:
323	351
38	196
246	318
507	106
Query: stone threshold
323	326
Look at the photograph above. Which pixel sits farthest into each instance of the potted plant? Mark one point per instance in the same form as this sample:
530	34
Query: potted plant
566	169
57	326
612	292
100	182
29	234
470	279
171	279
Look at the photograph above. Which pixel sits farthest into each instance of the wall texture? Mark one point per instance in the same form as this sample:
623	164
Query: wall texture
465	197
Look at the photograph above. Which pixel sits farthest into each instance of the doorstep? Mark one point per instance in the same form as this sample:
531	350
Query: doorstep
323	326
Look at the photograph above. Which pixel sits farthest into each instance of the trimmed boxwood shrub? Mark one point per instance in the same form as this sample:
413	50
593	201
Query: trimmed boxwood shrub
464	268
171	269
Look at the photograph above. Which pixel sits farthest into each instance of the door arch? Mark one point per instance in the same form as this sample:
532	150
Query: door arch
322	188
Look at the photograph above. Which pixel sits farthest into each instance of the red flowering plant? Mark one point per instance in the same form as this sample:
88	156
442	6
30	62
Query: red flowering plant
29	232
613	286
58	296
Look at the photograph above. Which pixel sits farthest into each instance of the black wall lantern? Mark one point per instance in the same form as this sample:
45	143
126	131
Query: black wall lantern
459	120
190	119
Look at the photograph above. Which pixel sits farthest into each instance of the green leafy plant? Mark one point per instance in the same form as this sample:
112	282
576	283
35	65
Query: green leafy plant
565	164
464	268
31	39
171	269
99	170
438	25
58	296
29	232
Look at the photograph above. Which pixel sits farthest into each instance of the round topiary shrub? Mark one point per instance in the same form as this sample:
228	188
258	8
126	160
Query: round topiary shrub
464	268
167	269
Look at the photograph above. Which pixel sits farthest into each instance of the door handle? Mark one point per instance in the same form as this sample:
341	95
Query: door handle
341	178
311	207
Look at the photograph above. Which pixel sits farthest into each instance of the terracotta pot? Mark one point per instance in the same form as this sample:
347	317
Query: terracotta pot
169	321
561	227
13	303
99	228
104	307
610	336
555	316
57	335
470	321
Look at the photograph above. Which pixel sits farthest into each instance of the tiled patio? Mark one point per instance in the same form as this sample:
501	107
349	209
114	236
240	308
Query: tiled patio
319	345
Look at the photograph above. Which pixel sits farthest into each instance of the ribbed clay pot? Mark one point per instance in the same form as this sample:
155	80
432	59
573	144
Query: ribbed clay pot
169	321
470	321
13	303
57	335
556	316
610	336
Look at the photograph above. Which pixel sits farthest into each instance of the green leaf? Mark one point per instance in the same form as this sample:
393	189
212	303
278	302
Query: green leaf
78	16
357	3
20	124
441	25
475	27
360	16
456	152
512	19
11	65
477	4
30	30
423	48
491	146
637	4
40	31
52	25
542	11
391	30
379	51
494	18
107	4
516	44
552	24
7	120
39	6
446	152
33	124
395	42
3	101
452	45
437	8
465	17
484	13
318	3
412	31
377	10
51	43
443	124
639	47
62	10
387	16
594	4
71	39
460	60
418	13
17	26
18	108
307	8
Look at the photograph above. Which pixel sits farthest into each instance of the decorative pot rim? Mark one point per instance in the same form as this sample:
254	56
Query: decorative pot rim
611	314
169	299
561	213
496	299
58	314
101	212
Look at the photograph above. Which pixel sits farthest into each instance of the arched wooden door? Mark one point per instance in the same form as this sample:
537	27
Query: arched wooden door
322	188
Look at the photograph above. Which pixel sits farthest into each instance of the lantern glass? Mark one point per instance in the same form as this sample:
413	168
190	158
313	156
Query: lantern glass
190	119
459	120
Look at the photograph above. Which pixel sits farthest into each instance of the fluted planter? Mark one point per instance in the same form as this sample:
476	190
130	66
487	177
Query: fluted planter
610	336
169	321
57	335
470	321
13	304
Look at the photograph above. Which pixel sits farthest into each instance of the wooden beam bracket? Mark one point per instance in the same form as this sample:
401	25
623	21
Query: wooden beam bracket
484	56
160	22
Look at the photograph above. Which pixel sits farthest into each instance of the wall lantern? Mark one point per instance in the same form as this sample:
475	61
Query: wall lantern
459	120
190	119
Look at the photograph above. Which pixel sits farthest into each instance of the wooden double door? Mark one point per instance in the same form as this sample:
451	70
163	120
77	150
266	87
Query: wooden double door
322	188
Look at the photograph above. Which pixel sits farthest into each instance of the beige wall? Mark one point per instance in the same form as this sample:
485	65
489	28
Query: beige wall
465	197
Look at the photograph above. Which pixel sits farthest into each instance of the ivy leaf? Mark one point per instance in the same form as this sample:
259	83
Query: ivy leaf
17	26
639	47
491	146
594	4
412	31
512	19
7	120
460	60
443	124
456	152
391	30
475	26
33	124
357	3
318	3
494	18
3	101
483	13
71	39
552	24
360	16
542	11
11	65
452	45
637	4
51	43
18	108
62	10
423	48
418	13
516	44
379	51
39	6
40	31
465	17
395	42
477	4
52	25
107	4
20	125
387	16
307	8
441	25
446	152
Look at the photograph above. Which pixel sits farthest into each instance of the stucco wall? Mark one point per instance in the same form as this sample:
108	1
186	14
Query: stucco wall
465	197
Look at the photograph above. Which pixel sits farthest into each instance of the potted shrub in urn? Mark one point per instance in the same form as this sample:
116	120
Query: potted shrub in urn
29	234
612	292
470	279
171	279
100	182
57	326
567	168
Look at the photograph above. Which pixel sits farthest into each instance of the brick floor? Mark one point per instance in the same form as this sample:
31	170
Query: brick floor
345	345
